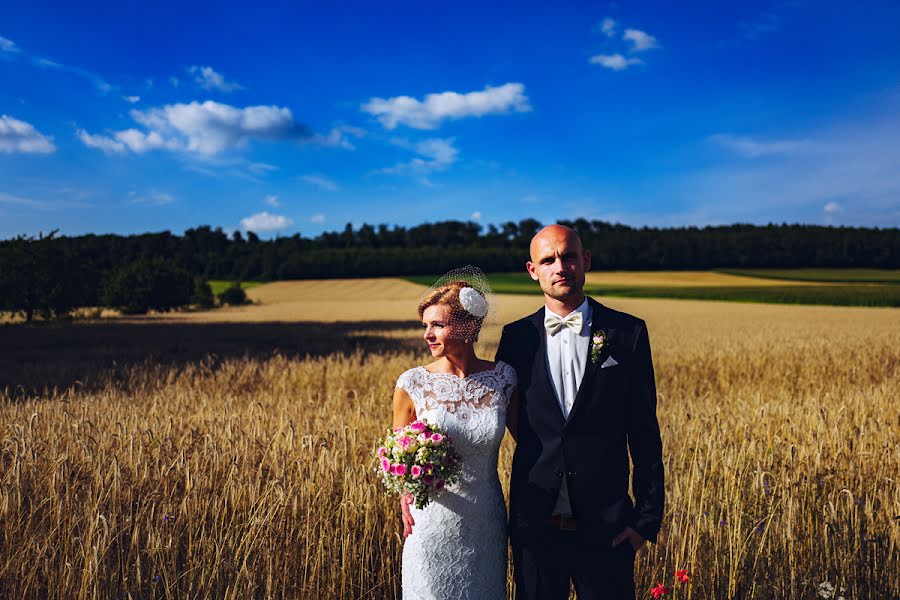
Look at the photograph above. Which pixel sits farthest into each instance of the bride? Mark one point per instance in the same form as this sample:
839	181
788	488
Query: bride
456	546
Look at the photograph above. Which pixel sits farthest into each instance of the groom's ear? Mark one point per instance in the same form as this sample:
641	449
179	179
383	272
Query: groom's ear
587	260
529	266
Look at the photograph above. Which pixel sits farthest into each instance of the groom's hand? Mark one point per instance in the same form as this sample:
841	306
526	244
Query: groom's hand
630	536
405	501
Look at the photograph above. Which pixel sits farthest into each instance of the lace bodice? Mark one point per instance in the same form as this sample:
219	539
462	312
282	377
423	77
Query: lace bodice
458	545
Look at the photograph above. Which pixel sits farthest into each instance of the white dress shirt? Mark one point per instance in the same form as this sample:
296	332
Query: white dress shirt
567	355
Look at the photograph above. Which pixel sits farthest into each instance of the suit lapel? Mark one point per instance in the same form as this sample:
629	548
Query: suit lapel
593	374
541	365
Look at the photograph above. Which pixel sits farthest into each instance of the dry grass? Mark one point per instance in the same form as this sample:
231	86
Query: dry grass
248	476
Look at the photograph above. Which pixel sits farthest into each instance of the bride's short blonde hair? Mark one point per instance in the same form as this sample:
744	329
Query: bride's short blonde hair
448	295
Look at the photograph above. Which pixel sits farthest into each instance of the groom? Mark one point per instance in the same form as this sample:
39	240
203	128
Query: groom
587	399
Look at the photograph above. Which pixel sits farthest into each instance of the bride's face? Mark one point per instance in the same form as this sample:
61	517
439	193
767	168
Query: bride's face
442	335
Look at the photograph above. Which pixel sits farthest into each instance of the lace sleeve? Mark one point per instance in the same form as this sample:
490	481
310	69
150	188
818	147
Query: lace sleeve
510	380
407	383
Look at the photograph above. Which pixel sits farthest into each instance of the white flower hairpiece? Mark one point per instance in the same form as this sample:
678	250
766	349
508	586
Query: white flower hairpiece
474	302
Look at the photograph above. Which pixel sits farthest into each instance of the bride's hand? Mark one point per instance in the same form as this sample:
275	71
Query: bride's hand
405	501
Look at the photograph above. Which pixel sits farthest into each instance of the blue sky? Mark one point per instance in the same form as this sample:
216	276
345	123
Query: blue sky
301	117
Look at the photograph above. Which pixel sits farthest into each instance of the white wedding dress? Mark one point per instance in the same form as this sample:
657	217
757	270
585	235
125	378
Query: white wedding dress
457	549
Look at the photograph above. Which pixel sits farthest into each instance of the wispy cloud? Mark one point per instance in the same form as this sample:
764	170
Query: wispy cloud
208	79
131	99
640	40
750	147
19	137
340	136
475	216
320	181
435	154
317	218
206	128
98	82
8	46
273	201
434	109
607	27
14	200
615	62
260	168
153	198
264	222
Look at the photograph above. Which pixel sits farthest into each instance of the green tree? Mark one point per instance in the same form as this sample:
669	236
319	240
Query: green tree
148	284
233	295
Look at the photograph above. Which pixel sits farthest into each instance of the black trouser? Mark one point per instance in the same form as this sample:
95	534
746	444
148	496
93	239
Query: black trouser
543	568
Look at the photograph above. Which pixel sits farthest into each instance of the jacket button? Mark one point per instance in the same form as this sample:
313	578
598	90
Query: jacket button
571	473
559	473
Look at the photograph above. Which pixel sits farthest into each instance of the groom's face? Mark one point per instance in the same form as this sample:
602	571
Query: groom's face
558	262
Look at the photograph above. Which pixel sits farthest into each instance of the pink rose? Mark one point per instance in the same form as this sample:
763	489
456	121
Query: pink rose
417	426
416	471
385	465
423	437
428	479
401	470
381	452
405	441
437	438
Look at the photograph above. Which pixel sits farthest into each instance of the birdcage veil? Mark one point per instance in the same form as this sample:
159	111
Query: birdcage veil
470	286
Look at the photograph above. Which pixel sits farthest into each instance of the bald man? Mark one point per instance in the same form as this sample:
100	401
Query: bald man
587	399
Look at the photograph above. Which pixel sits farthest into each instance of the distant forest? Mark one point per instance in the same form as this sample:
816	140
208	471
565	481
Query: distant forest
52	274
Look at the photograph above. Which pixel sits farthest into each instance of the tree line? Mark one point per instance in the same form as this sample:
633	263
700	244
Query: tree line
49	275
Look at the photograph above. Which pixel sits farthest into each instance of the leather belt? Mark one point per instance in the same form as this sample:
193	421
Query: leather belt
563	522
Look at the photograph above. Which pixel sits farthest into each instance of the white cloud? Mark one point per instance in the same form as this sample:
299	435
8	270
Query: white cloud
320	181
608	27
205	128
749	147
100	142
435	154
319	218
209	79
640	40
128	139
616	62
340	136
7	45
832	207
131	99
476	216
436	108
265	221
272	201
20	137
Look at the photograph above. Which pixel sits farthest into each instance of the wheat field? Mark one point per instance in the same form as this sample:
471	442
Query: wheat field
227	454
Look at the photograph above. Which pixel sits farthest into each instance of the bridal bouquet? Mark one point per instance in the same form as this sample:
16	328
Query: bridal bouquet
418	459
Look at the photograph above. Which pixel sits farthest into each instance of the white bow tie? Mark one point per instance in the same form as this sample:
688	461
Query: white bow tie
554	323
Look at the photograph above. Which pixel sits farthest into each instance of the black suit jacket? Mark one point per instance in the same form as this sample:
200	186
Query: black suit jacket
614	413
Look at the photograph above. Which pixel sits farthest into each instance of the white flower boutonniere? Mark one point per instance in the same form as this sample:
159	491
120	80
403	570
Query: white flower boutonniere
598	343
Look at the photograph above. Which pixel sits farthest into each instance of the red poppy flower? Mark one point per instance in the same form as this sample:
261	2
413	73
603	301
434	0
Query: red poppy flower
659	590
682	576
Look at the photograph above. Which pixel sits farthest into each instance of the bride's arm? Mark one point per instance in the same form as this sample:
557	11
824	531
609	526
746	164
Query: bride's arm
404	409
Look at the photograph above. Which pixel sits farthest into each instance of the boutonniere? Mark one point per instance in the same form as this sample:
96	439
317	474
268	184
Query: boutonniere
598	343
